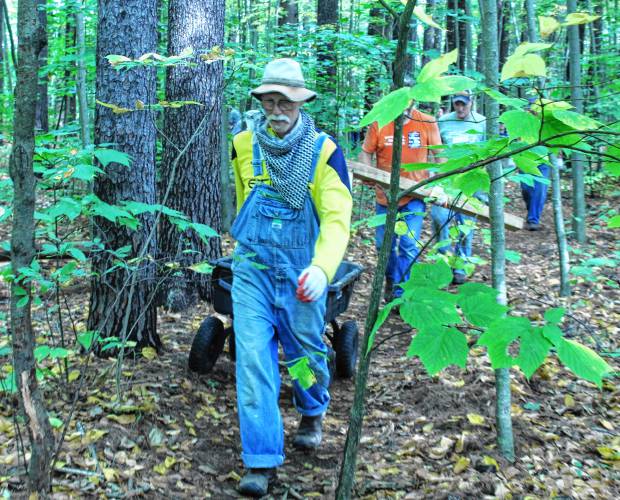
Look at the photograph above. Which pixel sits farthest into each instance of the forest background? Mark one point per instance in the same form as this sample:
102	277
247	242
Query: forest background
120	119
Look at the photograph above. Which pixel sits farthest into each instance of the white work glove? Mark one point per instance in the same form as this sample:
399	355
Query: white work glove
311	284
439	196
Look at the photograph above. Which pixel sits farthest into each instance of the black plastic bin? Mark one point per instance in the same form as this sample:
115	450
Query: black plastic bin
209	341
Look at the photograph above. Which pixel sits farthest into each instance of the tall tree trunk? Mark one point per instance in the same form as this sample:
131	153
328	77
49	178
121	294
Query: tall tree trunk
376	27
327	69
504	33
70	99
191	180
431	35
577	159
488	9
469	39
288	20
41	113
290	9
2	79
560	232
121	302
9	32
530	14
81	76
31	40
347	470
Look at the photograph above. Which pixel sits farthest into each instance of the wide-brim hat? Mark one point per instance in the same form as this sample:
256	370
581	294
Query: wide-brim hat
285	77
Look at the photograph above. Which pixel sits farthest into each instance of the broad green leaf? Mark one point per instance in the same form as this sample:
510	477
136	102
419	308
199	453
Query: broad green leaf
68	207
115	59
85	172
59	353
55	422
575	120
434	275
473	181
85	339
419	12
528	163
204	231
498	338
512	256
533	350
471	289
388	108
107	156
552	333
429	308
439	348
528	47
614	222
554	315
302	372
481	309
524	66
432	90
575	18
41	352
521	125
582	361
548	25
436	67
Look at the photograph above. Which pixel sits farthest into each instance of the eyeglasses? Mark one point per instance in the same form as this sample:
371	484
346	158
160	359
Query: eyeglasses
284	105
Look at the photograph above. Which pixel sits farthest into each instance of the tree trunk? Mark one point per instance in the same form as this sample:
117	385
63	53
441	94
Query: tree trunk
121	302
41	113
227	183
31	40
431	35
503	419
2	79
577	159
530	13
327	16
290	8
70	100
469	39
504	34
81	76
376	27
347	471
191	180
560	232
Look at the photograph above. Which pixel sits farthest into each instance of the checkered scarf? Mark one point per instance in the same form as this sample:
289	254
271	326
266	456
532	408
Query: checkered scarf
289	159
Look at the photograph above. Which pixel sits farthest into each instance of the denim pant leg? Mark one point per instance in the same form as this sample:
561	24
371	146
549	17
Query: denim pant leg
538	197
463	245
441	226
300	328
408	243
258	378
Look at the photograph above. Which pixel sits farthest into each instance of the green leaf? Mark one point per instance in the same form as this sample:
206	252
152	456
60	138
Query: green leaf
521	125
41	352
533	350
481	309
554	315
439	348
582	361
528	47
498	338
66	206
470	289
59	353
575	18
511	102
436	67
512	256
202	267
85	339
553	334
204	231
85	172
614	222
388	108
55	422
473	181
432	90
575	120
302	372
523	66
429	308
435	275
107	156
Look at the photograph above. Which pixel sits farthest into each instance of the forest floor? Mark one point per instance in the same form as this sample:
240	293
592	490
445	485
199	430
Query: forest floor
175	435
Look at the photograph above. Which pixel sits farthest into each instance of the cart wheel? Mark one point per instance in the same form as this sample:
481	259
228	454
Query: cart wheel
345	345
208	344
232	350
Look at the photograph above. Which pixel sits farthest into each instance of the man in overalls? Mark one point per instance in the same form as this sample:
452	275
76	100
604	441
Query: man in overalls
292	228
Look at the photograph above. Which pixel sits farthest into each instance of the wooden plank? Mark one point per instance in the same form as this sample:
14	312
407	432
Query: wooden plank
372	174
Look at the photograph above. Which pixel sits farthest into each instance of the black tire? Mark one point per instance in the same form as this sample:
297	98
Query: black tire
207	346
346	344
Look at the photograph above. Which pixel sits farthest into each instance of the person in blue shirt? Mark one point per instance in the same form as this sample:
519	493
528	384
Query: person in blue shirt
461	125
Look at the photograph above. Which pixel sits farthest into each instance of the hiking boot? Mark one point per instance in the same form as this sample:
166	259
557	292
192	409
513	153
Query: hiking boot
388	291
458	278
309	434
256	482
533	226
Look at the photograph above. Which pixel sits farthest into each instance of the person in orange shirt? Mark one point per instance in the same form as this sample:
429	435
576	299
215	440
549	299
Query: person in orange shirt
419	131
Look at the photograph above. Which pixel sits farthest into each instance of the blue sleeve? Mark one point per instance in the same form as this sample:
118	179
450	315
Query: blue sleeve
338	163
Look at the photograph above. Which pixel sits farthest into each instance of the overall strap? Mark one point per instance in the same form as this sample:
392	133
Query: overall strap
318	145
257	157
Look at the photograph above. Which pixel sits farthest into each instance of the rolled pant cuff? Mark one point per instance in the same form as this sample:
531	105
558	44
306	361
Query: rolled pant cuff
261	461
314	412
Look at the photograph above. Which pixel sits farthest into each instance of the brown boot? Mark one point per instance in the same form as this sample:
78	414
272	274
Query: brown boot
309	433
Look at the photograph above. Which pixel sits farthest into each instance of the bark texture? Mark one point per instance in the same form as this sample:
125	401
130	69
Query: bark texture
190	168
121	302
503	418
31	38
41	115
327	69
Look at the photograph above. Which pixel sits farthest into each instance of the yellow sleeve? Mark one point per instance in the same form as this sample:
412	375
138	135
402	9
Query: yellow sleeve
333	202
242	166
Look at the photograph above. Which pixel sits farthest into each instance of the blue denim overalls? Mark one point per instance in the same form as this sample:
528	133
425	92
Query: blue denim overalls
274	244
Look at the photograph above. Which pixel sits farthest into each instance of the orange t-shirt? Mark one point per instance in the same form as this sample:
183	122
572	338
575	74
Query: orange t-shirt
419	132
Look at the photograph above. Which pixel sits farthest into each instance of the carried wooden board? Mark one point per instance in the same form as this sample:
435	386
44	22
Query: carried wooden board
372	174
